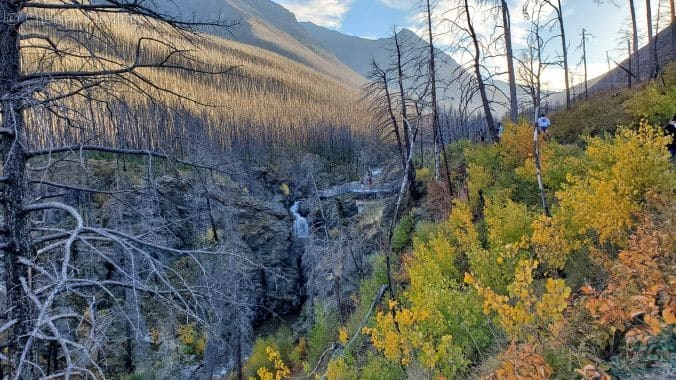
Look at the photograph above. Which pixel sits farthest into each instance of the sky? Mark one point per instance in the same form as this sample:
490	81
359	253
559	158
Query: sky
375	19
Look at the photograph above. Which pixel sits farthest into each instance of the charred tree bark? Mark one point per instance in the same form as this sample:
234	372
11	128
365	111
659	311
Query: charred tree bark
408	141
653	66
564	51
584	61
433	86
513	101
629	64
490	123
634	32
12	150
672	8
393	118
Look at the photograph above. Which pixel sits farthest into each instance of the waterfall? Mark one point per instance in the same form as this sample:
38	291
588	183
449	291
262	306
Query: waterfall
300	226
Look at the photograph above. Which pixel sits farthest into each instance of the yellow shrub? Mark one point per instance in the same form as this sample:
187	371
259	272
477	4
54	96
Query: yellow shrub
516	144
523	315
550	241
280	370
619	176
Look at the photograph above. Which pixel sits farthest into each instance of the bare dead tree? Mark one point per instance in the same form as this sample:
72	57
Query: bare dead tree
634	30
378	94
52	301
672	11
555	5
488	113
432	78
532	62
652	46
403	104
583	45
509	53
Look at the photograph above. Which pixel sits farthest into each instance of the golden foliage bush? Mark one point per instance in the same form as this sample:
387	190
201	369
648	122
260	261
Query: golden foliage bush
620	175
279	370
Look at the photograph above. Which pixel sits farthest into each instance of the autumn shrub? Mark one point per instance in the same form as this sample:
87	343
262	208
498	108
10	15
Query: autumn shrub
423	174
508	222
282	342
438	325
193	340
620	174
516	144
275	368
376	367
657	101
639	301
522	362
341	369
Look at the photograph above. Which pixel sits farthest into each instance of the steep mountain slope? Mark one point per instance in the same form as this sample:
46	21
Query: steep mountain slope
617	77
358	53
267	101
264	24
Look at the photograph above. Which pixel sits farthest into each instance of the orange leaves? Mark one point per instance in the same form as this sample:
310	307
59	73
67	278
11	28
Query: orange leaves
592	372
639	298
522	363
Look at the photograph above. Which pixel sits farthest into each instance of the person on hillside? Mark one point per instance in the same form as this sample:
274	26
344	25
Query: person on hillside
543	123
500	129
670	130
369	177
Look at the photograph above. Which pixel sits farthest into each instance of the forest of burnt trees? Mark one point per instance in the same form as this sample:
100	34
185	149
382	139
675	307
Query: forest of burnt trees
74	82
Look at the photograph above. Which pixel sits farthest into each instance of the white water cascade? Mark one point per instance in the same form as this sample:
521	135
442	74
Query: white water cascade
300	226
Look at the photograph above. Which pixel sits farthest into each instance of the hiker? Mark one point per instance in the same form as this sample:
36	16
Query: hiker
369	177
500	129
670	130
543	123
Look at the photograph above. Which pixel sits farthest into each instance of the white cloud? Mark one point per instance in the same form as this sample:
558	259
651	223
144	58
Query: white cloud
398	4
327	13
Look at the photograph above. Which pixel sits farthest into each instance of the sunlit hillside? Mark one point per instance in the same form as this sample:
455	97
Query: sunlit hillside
264	100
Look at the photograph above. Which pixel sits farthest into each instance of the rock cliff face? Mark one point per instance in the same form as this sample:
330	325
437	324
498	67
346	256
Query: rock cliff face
253	263
240	227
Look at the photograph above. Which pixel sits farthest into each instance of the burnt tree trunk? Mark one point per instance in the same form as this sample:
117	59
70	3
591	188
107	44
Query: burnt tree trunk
584	61
408	142
634	36
513	101
490	124
564	51
651	42
13	152
433	84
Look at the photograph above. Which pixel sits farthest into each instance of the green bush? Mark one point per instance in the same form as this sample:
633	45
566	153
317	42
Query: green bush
323	333
377	367
657	102
282	341
401	236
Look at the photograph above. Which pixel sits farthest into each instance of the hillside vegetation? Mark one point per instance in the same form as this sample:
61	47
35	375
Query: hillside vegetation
500	290
651	100
265	101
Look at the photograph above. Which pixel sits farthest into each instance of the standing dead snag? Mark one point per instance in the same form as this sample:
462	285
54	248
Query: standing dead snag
44	269
506	22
